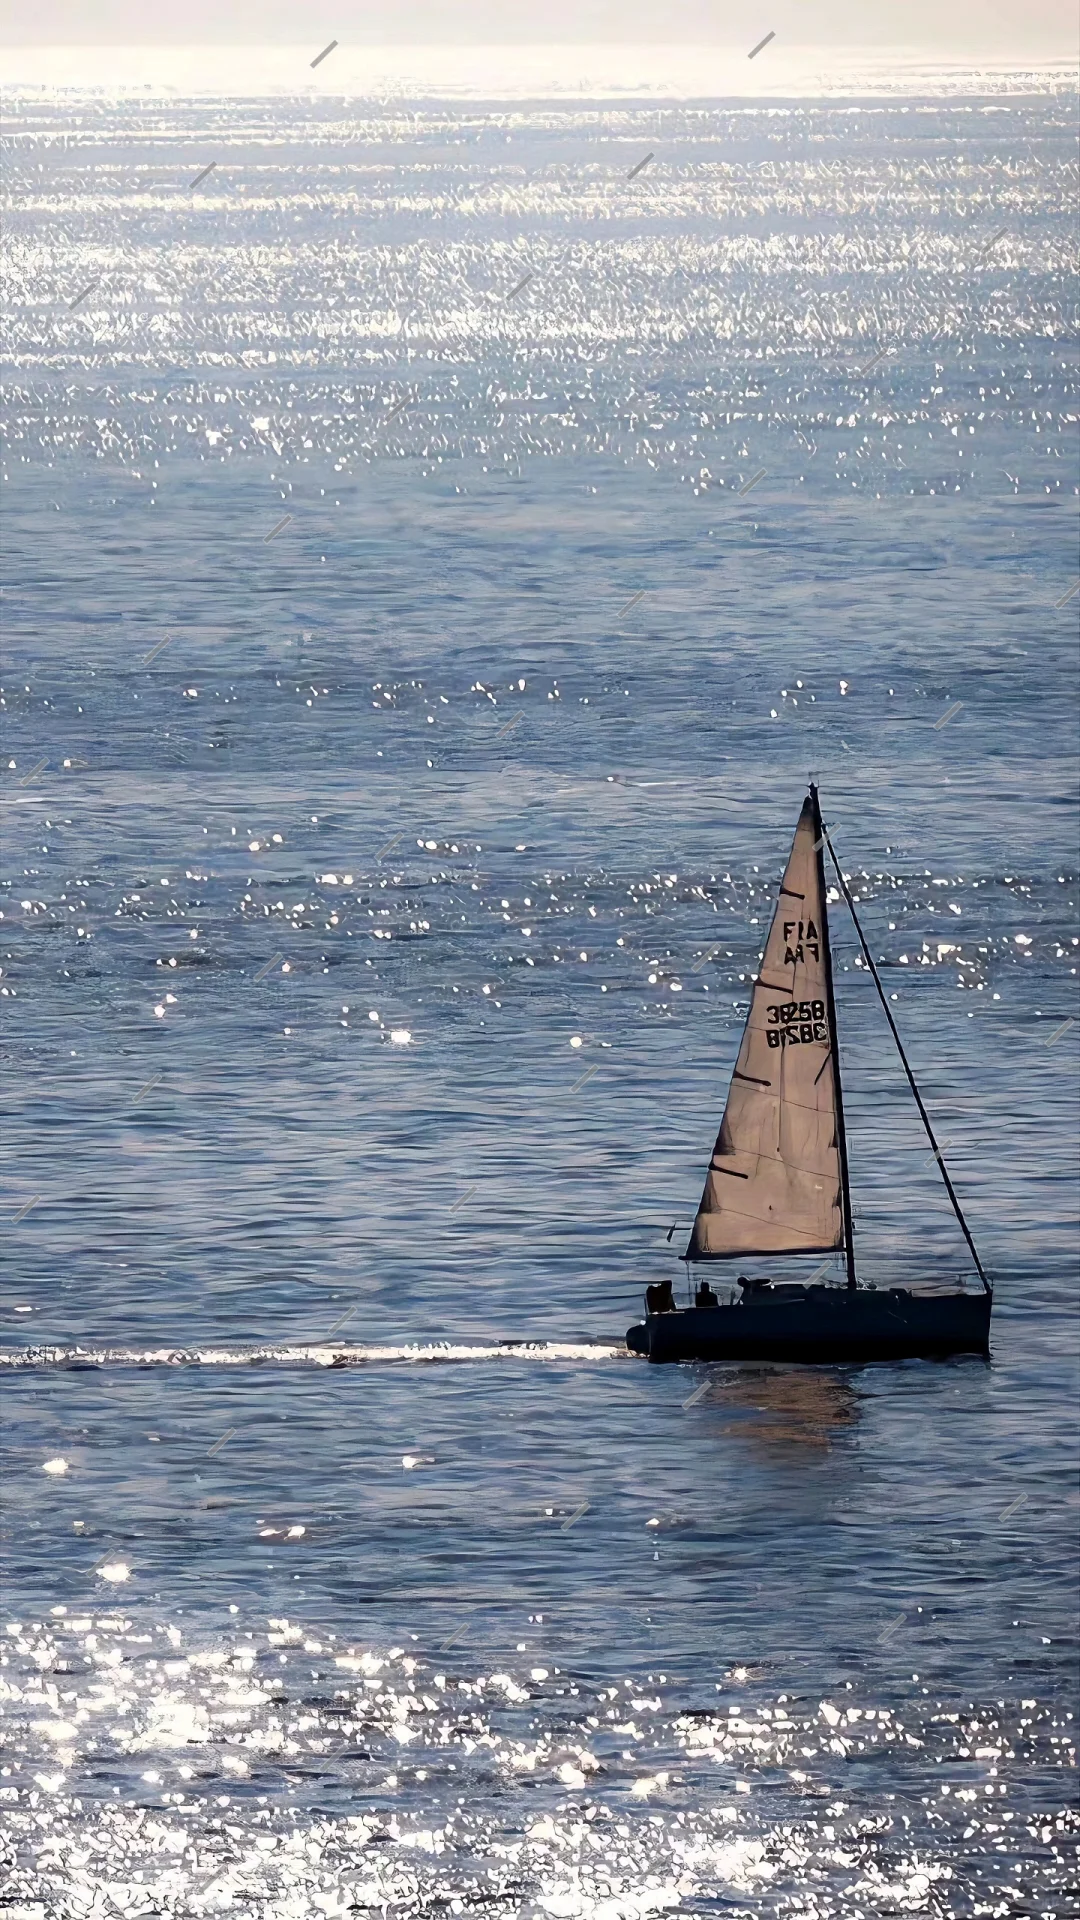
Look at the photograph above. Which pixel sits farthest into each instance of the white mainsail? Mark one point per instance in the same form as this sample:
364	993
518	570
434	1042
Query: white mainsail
775	1181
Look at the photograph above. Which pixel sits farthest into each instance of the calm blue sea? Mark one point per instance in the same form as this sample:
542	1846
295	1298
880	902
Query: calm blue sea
434	565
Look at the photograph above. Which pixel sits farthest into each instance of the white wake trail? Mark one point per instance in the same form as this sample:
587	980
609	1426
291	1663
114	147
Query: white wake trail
324	1354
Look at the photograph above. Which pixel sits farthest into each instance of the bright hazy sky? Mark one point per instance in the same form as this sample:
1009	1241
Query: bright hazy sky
979	25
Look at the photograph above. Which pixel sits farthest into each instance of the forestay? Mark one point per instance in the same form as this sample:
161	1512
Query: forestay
775	1183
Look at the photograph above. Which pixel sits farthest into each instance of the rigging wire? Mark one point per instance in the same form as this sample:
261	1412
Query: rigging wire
925	1117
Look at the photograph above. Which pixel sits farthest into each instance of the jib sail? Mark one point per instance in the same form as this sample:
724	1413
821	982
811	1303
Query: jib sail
778	1178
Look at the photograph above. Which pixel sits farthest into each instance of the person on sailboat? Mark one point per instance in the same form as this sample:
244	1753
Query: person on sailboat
660	1298
705	1297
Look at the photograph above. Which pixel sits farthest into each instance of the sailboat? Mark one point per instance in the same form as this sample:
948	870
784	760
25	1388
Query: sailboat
778	1184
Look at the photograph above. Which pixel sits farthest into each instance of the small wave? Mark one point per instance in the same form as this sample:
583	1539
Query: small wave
324	1355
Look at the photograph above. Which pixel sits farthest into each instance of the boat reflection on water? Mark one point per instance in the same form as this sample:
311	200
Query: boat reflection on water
785	1406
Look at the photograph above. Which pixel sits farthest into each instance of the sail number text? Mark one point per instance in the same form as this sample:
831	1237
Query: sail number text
795	1023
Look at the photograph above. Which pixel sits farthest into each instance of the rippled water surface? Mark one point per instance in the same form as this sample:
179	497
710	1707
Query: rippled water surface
435	563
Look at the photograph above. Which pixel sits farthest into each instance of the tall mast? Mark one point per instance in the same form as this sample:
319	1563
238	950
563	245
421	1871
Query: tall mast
841	1130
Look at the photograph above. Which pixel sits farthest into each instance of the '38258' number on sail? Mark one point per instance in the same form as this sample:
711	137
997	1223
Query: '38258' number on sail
796	1023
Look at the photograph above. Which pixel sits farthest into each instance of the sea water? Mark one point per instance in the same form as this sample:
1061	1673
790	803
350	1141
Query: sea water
435	564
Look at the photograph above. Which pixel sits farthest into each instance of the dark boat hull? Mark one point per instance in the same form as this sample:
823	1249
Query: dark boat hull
825	1324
